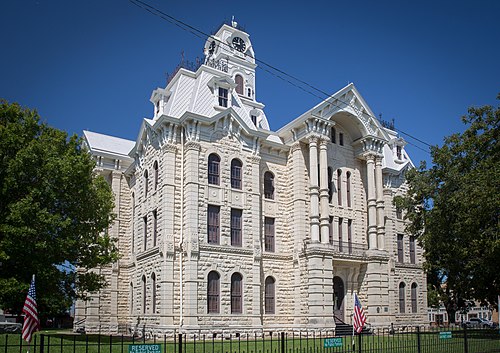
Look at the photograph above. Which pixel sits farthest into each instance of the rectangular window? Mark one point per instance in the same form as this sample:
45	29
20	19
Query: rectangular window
398	152
341	245
213	224
331	230
145	225
254	120
412	249
269	234
236	223
341	139
222	97
349	235
155	224
400	248
399	213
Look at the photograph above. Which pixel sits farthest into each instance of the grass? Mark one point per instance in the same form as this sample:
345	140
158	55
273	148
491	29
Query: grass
430	342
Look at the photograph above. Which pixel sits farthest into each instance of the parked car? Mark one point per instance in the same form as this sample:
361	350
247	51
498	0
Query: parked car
10	327
477	322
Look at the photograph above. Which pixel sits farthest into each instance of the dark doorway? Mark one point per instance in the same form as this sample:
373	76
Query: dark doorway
338	298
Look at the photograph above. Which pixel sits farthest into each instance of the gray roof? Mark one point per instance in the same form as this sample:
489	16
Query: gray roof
108	144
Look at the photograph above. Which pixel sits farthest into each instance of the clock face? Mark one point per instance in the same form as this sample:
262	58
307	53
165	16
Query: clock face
211	48
239	44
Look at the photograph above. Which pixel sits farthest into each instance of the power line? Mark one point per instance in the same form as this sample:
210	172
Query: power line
202	35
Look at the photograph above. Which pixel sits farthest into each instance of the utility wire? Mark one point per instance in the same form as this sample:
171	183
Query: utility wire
202	35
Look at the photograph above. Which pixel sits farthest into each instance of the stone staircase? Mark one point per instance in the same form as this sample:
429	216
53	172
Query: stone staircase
343	329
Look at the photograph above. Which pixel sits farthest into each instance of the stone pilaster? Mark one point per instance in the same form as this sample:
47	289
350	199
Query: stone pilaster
371	201
380	203
314	187
191	224
167	239
116	180
323	179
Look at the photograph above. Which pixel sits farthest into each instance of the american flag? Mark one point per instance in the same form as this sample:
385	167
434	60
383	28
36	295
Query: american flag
31	321
359	318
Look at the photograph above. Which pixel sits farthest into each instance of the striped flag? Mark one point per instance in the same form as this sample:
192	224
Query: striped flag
31	321
359	318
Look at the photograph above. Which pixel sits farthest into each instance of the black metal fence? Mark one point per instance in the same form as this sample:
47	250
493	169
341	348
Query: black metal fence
409	340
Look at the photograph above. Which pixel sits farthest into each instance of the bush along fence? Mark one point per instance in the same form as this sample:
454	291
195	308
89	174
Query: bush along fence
409	340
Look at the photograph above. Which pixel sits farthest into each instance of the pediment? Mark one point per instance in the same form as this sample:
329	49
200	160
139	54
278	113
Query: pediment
346	107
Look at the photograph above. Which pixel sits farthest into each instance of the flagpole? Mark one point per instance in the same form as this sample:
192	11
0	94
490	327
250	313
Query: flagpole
352	319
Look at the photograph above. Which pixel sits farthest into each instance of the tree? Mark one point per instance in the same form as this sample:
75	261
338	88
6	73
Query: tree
453	207
54	213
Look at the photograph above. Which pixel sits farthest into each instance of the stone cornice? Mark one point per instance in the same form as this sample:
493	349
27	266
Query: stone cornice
225	249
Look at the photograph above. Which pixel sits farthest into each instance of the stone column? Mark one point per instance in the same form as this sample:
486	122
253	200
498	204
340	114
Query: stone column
371	201
380	203
323	177
314	187
299	198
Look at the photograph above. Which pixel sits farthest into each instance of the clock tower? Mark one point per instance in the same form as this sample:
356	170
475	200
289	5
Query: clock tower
231	48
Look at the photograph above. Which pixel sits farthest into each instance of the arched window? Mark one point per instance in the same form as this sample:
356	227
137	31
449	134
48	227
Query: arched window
145	183
269	295
236	294
236	174
330	184
153	293
213	292
269	185
348	189
333	135
238	79
131	298
402	297
339	187
413	297
144	294
213	169
155	168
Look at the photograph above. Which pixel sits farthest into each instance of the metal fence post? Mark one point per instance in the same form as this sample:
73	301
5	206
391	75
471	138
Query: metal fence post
466	345
42	339
180	342
359	343
418	339
282	342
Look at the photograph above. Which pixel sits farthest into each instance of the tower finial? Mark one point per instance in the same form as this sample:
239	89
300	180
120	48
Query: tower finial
234	23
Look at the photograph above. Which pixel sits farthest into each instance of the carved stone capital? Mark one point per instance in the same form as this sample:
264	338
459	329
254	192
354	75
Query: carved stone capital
192	146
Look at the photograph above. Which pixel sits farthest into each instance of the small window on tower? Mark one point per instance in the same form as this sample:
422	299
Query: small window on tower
249	93
239	84
157	107
398	151
254	120
223	97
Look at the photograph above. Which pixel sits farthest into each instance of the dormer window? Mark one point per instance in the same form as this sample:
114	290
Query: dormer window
254	120
157	107
238	79
399	152
223	92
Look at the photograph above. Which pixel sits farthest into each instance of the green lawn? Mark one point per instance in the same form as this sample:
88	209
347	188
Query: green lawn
430	342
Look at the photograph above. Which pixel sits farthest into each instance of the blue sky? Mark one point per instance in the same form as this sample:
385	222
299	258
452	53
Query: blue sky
93	64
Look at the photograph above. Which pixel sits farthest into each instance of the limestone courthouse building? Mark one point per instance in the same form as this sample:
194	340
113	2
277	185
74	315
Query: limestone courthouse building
225	225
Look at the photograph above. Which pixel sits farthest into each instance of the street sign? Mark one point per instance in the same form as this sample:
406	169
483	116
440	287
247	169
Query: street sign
445	335
144	348
332	342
